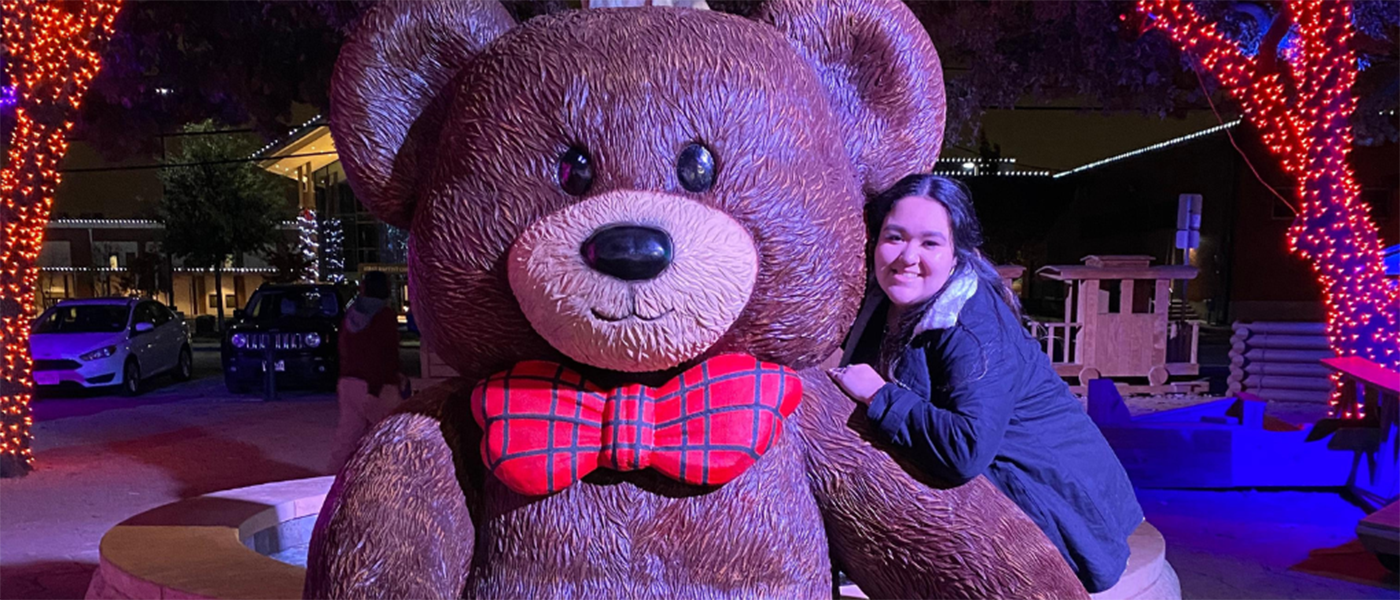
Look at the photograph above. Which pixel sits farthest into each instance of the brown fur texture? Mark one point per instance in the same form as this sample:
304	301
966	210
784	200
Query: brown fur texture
804	109
650	325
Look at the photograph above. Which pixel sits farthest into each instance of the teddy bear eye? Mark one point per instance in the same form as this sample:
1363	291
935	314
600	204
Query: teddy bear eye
695	168
575	171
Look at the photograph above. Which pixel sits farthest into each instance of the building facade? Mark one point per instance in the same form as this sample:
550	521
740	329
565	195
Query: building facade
89	258
350	240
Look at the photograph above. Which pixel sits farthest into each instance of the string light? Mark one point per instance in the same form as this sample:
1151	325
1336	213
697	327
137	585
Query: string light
129	224
976	173
239	270
1161	145
1302	108
334	250
979	160
264	270
7	97
306	241
291	134
112	223
1158	146
52	51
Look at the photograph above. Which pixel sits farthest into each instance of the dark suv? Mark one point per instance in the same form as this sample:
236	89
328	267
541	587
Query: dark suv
299	322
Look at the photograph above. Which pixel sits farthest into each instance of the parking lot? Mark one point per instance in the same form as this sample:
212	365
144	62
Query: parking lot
207	382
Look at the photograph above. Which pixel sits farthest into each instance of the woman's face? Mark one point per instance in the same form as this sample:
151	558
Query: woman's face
914	255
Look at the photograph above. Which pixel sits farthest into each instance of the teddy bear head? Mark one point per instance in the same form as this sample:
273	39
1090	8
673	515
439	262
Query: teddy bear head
634	189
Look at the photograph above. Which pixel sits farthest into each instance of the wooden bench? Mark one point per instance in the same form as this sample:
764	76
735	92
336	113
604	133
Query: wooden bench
1375	477
1368	381
1375	443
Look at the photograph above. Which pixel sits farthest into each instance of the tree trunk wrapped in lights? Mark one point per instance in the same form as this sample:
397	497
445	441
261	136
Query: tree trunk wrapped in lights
52	54
308	245
1303	110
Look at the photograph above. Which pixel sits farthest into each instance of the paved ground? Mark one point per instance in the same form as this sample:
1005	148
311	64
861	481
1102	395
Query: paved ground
102	459
1266	544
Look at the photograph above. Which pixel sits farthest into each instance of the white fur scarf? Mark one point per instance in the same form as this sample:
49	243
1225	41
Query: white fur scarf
944	312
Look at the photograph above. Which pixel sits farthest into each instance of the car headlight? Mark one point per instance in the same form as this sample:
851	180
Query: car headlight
312	340
239	340
99	353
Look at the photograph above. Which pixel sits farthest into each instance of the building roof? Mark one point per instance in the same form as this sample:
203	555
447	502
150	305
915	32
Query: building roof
309	143
127	224
104	224
1110	266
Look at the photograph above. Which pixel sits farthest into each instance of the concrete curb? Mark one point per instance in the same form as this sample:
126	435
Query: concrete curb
202	547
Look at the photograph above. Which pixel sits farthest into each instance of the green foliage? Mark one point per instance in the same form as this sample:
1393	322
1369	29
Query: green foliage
220	205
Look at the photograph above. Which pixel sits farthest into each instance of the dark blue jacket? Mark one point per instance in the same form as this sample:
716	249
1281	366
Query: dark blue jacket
974	395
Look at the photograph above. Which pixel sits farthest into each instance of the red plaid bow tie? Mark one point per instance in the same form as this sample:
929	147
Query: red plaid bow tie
545	427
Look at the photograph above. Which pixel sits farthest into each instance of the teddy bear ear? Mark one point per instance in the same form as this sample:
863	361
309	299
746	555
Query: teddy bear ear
386	92
882	75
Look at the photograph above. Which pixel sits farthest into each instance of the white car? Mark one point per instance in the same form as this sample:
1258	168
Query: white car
109	341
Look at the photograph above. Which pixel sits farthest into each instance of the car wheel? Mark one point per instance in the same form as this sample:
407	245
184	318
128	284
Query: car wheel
235	386
184	369
131	378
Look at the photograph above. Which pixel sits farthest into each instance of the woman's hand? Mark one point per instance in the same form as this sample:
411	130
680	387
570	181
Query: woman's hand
860	382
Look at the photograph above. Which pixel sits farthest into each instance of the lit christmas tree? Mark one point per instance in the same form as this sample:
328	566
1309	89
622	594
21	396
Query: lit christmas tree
306	242
333	250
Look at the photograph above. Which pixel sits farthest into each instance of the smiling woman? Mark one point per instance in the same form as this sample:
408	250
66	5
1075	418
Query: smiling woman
914	254
956	383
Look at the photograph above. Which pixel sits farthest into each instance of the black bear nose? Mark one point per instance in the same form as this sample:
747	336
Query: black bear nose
628	252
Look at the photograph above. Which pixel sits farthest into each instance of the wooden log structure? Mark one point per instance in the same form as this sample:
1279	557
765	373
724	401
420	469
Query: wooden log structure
1279	361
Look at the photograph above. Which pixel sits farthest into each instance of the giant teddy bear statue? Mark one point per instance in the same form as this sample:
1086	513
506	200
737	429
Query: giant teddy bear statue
635	235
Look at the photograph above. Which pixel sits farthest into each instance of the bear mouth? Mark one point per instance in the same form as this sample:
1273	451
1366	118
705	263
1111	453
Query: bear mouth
631	314
611	379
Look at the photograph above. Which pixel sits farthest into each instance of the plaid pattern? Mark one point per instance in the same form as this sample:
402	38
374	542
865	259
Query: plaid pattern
544	426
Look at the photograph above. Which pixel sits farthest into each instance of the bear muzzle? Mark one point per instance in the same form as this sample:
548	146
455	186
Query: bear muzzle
633	281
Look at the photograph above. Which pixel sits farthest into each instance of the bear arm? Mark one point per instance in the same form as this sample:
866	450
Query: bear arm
899	534
396	522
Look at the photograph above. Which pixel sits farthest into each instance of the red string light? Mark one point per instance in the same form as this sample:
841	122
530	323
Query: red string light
1304	117
52	59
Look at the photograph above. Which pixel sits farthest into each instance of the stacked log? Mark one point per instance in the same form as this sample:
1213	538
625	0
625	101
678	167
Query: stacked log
1279	361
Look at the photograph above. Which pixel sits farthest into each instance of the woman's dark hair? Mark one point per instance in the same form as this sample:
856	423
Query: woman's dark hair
377	285
967	244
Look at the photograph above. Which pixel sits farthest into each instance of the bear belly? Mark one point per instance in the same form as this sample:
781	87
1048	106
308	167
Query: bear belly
640	535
